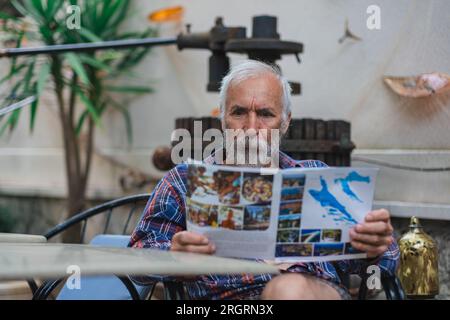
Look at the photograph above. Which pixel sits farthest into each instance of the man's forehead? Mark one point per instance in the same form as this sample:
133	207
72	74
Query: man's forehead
257	91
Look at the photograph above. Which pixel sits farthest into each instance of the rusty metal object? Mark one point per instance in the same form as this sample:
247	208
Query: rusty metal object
418	271
264	45
327	141
162	158
318	146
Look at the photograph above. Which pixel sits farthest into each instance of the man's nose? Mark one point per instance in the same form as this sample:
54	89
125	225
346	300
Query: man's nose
252	121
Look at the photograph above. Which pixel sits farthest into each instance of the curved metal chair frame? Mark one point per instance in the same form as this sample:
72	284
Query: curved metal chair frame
48	286
44	291
109	206
391	285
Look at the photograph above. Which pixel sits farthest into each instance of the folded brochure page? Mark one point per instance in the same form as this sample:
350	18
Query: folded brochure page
289	215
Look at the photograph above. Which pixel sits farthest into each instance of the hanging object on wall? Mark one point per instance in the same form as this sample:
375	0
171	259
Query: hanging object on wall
348	34
420	86
418	271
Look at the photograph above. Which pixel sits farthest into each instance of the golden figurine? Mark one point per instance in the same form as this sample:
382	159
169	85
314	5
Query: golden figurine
418	271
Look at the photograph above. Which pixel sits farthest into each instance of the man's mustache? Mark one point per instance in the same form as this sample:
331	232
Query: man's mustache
251	147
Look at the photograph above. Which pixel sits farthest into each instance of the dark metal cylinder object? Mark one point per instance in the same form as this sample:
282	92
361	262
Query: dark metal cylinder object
219	64
265	27
198	40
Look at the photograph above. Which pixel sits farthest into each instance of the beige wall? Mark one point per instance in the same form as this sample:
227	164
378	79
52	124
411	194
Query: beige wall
340	81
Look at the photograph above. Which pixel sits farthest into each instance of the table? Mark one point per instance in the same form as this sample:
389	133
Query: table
49	260
21	238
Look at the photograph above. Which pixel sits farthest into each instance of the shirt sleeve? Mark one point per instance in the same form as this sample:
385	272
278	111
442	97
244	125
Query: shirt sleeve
164	214
387	262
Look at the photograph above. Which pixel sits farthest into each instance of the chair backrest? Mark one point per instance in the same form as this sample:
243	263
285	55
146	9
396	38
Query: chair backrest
118	216
103	287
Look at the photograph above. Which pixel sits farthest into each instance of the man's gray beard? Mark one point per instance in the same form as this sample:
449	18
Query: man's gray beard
271	153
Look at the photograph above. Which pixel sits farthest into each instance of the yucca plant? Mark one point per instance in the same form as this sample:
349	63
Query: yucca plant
85	80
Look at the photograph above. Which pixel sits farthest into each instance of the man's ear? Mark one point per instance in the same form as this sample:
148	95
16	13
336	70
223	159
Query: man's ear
285	124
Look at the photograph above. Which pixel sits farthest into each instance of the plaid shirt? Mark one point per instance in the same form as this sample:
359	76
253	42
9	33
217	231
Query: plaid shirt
164	215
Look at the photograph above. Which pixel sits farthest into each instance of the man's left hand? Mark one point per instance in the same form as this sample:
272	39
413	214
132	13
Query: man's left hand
374	235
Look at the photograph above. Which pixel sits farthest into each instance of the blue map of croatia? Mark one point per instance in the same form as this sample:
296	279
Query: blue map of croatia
331	204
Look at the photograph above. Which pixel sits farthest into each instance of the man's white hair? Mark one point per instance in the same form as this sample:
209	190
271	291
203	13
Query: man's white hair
250	69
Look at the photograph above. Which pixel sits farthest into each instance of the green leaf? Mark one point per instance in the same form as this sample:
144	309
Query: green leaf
118	18
81	122
11	122
95	63
36	5
5	16
12	73
83	118
126	117
29	74
33	110
44	73
28	9
19	7
77	67
89	35
130	89
108	11
52	7
89	106
18	45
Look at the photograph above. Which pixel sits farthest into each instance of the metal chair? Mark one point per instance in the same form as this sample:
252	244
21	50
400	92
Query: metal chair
131	203
391	286
107	287
390	283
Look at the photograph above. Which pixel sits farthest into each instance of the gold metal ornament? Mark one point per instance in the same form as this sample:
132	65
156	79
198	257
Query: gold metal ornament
418	271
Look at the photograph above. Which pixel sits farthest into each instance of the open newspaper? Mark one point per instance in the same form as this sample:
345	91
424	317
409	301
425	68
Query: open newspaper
290	215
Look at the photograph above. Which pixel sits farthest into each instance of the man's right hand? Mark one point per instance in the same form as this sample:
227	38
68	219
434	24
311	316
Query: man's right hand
192	242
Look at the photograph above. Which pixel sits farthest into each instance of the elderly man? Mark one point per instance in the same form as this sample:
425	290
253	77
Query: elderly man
255	96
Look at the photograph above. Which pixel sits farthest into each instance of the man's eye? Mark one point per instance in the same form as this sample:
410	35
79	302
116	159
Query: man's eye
266	114
238	112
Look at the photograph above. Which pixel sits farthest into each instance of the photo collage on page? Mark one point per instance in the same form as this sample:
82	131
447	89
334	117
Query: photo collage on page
232	200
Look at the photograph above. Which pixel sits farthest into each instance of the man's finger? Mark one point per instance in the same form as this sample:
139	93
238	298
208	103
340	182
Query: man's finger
372	251
375	228
378	215
208	249
188	238
372	239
